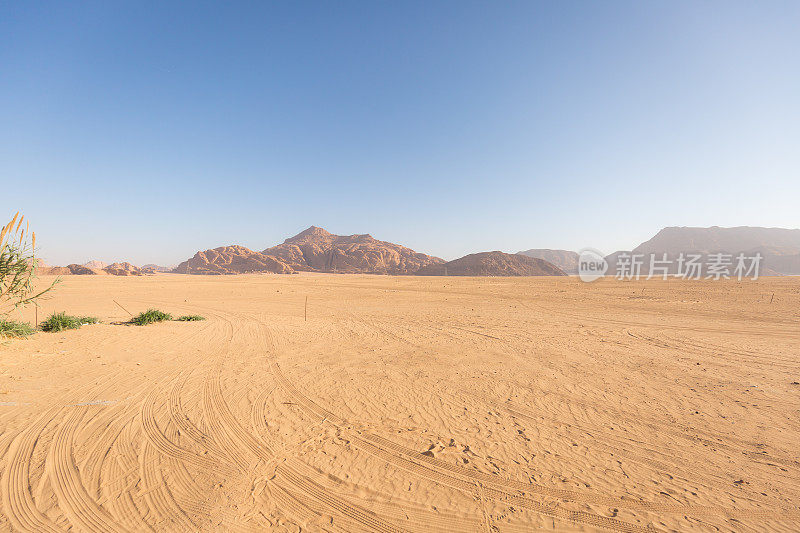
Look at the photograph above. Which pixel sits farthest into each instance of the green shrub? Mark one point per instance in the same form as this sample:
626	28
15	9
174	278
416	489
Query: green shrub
61	321
150	316
190	318
14	329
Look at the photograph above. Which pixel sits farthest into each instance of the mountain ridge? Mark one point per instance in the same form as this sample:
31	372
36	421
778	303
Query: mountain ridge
566	260
312	250
779	247
493	263
317	250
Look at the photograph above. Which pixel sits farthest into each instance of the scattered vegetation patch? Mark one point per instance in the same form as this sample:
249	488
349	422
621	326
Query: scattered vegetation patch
14	329
61	321
150	316
190	318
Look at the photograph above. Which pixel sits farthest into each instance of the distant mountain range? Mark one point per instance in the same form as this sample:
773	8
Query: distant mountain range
95	264
156	268
312	250
563	259
779	247
777	241
98	268
492	264
316	250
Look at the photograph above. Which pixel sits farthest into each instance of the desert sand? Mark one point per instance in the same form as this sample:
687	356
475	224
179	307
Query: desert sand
407	404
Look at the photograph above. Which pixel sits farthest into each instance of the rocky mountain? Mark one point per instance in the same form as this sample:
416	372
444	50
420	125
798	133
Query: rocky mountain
115	269
493	264
231	260
566	260
313	250
150	267
316	250
69	270
714	239
73	269
123	269
99	265
779	247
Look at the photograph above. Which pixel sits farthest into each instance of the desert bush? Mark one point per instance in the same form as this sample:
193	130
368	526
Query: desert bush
190	318
61	321
17	266
14	329
150	316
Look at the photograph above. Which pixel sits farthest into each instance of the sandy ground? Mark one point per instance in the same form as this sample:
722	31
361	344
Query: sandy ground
407	404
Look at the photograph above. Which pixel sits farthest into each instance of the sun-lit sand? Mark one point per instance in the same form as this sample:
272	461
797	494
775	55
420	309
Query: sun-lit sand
407	404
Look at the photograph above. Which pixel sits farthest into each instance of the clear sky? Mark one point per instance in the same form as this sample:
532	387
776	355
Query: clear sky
147	131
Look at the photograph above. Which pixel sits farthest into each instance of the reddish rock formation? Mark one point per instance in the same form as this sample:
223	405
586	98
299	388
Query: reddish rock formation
316	250
313	250
46	270
231	260
123	269
81	270
493	264
69	270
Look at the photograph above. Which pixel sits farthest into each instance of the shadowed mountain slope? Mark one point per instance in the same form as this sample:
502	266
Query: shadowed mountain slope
493	264
779	247
566	260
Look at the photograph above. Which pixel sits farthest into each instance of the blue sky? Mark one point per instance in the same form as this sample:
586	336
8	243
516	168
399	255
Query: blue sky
147	131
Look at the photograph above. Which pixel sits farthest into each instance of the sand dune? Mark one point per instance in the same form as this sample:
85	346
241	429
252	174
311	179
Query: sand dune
407	404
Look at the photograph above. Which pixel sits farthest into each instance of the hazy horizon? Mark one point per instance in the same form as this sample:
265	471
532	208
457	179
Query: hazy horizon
144	132
264	247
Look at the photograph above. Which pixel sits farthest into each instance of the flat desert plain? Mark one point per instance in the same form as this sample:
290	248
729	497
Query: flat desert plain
407	404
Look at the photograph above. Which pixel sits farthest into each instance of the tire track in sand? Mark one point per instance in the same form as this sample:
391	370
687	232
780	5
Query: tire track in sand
236	439
454	476
413	460
75	502
164	511
123	471
18	502
182	421
241	440
166	447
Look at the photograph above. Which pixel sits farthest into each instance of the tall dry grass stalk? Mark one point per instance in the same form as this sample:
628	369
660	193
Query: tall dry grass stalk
18	266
